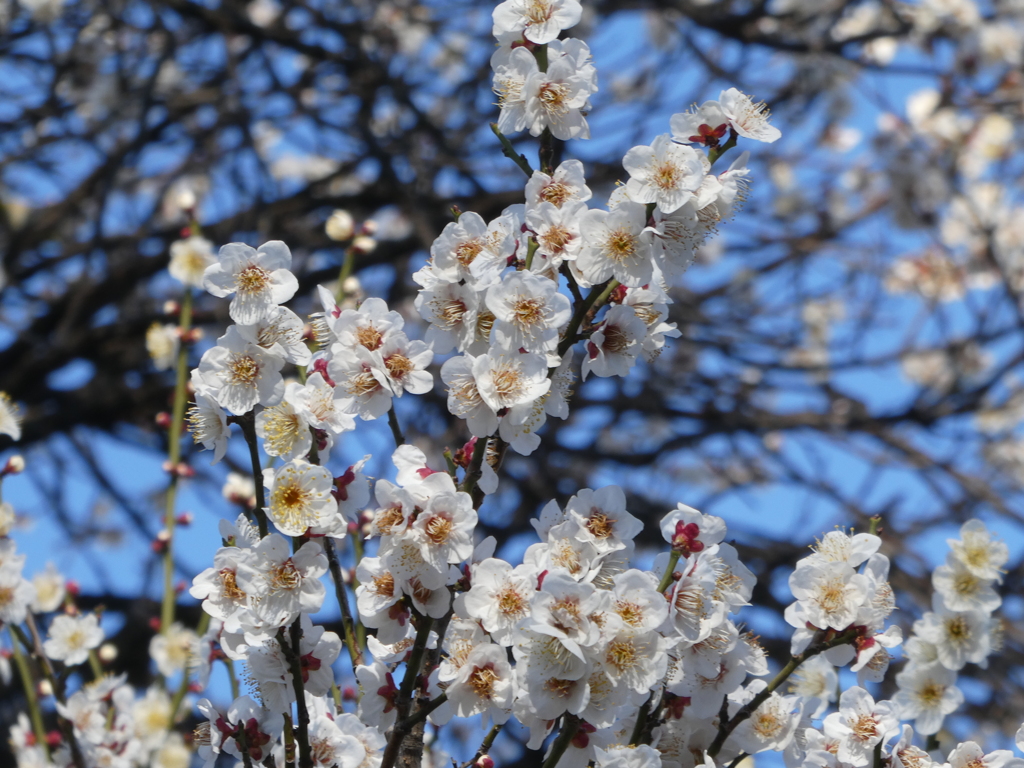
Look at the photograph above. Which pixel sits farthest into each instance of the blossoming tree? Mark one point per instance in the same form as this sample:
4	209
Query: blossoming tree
586	648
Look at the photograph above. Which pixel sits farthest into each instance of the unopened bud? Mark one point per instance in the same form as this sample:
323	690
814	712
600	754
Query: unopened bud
367	531
348	693
485	761
366	516
363	245
340	226
369	228
352	528
163	420
44	688
107	653
154	624
191	336
72	587
186	199
352	286
15	465
53	737
171	308
179	587
184	519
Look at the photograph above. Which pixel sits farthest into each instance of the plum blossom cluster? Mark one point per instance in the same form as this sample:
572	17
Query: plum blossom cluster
497	292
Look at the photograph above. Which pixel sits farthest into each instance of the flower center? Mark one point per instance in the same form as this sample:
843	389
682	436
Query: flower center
466	252
285	576
511	603
482	680
667	176
398	365
527	311
556	238
556	193
369	337
228	586
363	383
386	519
252	280
622	655
449	313
553	98
620	245
384	585
509	383
243	371
438	528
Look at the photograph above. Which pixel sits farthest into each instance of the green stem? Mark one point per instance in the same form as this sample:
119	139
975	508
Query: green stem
35	713
173	458
510	152
531	248
666	578
875	525
717	152
35	647
94	665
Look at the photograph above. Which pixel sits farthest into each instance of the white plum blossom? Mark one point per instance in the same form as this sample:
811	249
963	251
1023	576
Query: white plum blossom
613	347
280	332
72	637
927	693
978	551
615	245
190	259
665	173
747	117
539	21
281	585
860	724
239	374
528	313
567	184
485	684
259	279
299	496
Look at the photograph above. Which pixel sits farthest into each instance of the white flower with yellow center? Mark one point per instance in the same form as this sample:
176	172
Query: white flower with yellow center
962	589
830	594
771	726
959	637
927	693
207	421
175	650
557	98
566	185
72	637
284	428
528	311
464	398
259	279
473	250
49	589
239	374
860	724
162	342
665	173
539	21
613	348
499	597
299	496
979	551
282	585
444	529
485	685
505	381
322	406
615	244
190	258
280	333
